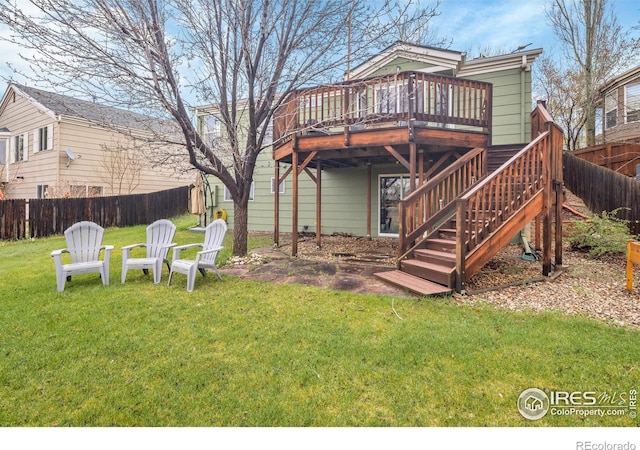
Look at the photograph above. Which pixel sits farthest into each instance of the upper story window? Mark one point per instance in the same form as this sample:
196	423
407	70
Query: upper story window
211	129
611	110
43	139
3	152
632	102
20	145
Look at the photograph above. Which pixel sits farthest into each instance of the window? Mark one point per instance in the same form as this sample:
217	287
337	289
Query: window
41	190
43	139
211	129
20	148
386	100
227	194
392	99
79	190
94	191
392	189
632	103
3	152
273	186
268	134
611	110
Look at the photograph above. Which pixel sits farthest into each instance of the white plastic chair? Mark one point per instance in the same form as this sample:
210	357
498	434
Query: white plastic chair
84	244
159	236
205	259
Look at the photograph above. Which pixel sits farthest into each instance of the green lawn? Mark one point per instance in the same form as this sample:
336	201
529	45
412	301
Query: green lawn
246	353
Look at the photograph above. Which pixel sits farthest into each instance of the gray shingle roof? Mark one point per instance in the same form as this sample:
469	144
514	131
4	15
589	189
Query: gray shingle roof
95	112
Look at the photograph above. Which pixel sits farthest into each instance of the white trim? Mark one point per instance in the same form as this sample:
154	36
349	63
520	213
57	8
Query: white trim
282	186
36	141
627	106
519	60
378	202
35	103
443	59
226	197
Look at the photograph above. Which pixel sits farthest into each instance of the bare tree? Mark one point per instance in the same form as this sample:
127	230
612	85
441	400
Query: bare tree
562	89
596	46
121	167
412	24
165	56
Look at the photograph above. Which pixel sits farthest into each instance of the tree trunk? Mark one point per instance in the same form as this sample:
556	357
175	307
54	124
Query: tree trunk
240	227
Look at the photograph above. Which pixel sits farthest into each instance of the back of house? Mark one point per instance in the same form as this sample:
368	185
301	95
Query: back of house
360	194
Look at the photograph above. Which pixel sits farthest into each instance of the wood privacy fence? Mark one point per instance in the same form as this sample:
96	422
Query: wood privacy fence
47	217
603	190
13	219
623	157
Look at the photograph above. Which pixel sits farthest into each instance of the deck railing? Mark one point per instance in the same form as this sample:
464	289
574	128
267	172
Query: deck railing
490	204
525	186
433	202
431	99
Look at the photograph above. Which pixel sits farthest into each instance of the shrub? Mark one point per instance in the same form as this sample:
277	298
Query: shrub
603	234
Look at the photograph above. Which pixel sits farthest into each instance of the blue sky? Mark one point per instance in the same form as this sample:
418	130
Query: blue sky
507	24
502	25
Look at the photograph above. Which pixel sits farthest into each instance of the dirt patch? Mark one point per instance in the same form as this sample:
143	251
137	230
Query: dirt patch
582	286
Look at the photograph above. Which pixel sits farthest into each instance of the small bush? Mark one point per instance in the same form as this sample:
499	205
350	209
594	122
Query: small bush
601	235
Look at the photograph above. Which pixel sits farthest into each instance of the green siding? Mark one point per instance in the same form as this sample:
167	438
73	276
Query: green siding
344	193
508	105
405	65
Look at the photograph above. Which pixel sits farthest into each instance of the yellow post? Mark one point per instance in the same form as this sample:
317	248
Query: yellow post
633	257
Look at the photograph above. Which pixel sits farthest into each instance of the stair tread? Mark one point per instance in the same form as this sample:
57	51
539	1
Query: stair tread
436	253
429	266
440	241
413	283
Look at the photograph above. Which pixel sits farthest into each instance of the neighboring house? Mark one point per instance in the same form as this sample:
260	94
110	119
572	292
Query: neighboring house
344	185
620	105
53	145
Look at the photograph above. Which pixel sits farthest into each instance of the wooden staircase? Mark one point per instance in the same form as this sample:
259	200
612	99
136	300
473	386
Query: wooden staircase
454	223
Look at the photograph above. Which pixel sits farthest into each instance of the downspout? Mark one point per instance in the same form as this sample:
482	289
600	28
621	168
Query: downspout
58	122
523	85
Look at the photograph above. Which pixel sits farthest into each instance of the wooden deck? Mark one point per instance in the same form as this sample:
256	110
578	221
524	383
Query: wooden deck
346	147
377	119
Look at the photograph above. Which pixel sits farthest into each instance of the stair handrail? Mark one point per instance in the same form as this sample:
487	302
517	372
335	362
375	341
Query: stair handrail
417	214
474	223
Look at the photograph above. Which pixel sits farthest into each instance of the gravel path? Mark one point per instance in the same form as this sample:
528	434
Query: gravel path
594	288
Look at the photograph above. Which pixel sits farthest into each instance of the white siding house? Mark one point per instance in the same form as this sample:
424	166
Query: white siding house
53	145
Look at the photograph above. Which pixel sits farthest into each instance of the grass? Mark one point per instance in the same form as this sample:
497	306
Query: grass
248	353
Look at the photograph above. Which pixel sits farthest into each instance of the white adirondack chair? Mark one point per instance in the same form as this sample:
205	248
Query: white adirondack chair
205	259
159	236
84	244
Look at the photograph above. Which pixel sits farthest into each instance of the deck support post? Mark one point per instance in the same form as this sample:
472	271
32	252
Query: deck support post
369	186
412	166
276	206
318	203
294	204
